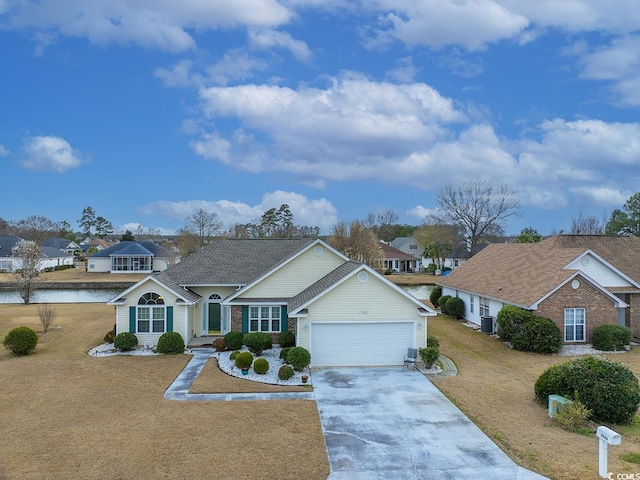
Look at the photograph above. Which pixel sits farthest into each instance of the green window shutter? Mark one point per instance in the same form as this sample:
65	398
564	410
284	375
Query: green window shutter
284	319
245	319
132	319
169	319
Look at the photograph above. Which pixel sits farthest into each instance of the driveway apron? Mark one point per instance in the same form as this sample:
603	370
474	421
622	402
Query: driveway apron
386	423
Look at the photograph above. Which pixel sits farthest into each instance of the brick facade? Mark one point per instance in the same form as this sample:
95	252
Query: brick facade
633	321
599	309
236	322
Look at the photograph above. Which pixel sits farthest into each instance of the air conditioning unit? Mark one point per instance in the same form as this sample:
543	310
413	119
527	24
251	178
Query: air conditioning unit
556	404
487	325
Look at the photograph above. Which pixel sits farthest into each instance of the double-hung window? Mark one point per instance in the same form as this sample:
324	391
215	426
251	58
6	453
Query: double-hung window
151	314
472	301
484	306
264	319
574	323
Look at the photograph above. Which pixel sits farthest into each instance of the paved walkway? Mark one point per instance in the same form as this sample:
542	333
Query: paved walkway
386	423
179	389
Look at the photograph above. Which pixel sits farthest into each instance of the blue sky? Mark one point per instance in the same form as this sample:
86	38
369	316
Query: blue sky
147	110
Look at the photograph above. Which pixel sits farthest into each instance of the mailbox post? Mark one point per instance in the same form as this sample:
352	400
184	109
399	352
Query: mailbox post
607	437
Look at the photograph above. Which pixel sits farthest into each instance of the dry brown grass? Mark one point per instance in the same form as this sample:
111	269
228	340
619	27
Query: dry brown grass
67	415
412	279
494	387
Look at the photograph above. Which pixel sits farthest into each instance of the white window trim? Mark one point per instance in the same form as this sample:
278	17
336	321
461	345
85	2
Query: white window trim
151	309
484	306
584	325
260	318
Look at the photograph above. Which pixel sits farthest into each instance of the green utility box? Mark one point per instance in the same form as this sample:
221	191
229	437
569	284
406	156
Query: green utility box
556	404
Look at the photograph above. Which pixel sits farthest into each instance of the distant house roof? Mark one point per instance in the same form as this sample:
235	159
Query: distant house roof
134	248
399	242
523	273
60	243
393	253
462	251
7	242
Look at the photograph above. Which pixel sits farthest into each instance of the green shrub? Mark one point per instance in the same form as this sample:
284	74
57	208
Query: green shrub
261	366
170	342
429	355
256	342
285	372
219	344
244	359
125	341
436	293
607	388
299	358
234	354
573	416
431	268
233	340
509	319
442	302
538	335
287	339
610	338
21	340
283	353
455	307
432	341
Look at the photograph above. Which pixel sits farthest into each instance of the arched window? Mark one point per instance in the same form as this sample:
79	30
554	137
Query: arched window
151	312
215	296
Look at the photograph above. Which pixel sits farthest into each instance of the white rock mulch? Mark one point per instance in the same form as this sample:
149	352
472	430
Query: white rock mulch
587	349
107	349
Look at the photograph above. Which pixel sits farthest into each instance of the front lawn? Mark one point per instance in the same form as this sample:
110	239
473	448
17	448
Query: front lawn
65	414
494	388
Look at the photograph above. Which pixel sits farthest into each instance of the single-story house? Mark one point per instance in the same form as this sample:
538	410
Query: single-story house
398	261
51	257
132	257
460	254
63	244
578	281
344	312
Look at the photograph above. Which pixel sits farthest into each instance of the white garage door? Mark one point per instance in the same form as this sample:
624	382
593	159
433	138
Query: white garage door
360	344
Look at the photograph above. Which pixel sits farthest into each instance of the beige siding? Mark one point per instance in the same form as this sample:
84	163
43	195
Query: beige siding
179	312
373	301
199	312
297	275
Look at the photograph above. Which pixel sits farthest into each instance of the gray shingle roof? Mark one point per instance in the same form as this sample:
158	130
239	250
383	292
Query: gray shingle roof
235	261
323	284
7	242
134	248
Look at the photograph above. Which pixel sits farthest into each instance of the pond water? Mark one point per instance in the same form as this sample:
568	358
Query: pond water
61	296
421	292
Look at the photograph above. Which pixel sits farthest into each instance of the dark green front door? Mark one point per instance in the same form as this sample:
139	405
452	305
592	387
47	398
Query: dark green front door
214	317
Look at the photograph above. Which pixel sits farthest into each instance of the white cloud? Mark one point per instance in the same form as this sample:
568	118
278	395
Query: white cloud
267	39
50	153
305	211
178	75
404	71
420	213
3	151
148	23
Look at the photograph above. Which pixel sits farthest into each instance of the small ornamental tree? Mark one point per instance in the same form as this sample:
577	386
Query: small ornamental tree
436	293
429	355
21	340
244	360
455	307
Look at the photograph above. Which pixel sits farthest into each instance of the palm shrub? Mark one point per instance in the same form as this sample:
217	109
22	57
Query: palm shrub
261	366
287	339
455	307
21	340
170	342
436	293
610	338
299	358
256	342
442	302
233	340
538	335
244	360
509	319
429	355
125	341
607	388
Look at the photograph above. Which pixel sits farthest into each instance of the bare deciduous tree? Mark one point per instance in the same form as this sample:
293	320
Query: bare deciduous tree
388	221
583	224
477	208
47	314
27	276
357	242
203	225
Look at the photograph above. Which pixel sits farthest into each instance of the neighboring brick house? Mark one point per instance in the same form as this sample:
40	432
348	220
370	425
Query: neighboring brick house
344	312
578	281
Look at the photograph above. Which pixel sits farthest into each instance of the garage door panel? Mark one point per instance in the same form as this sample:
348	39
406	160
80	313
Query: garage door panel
360	344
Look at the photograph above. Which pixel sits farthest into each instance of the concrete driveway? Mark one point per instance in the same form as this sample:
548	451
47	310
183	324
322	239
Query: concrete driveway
386	423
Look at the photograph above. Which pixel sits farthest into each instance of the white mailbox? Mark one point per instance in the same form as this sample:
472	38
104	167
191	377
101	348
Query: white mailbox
608	435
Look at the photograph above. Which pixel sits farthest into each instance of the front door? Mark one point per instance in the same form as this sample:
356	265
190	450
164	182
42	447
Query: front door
214	318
